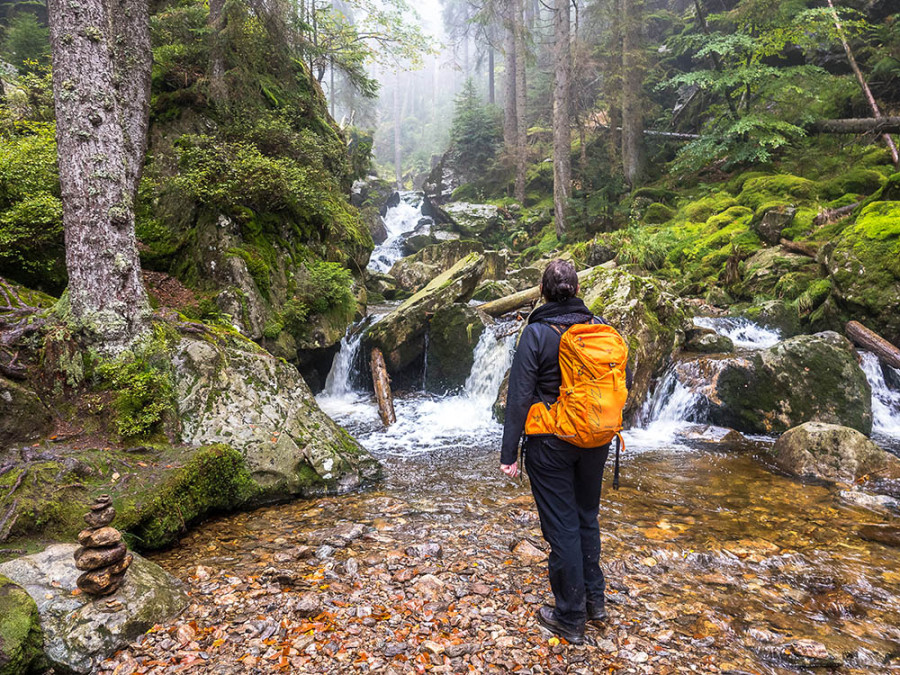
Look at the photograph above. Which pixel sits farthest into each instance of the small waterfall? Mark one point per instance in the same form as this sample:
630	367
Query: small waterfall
744	333
400	221
885	400
492	358
338	382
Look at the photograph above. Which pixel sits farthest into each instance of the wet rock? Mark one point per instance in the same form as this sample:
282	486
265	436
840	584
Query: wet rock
381	284
21	647
22	415
776	314
307	605
427	550
492	290
529	553
809	378
866	500
525	278
708	343
79	632
453	333
233	392
831	452
414	272
810	654
889	535
400	335
650	319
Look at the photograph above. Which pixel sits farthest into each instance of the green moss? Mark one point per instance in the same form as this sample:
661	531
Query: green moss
702	209
658	213
879	221
781	188
857	181
21	642
258	268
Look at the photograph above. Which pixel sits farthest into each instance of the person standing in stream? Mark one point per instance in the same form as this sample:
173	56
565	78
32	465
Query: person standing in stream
565	479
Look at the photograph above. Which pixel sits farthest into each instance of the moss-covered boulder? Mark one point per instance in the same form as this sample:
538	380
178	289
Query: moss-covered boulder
771	225
708	341
401	334
490	289
23	416
808	378
864	267
474	220
651	320
832	452
21	644
231	391
414	272
761	273
79	632
453	333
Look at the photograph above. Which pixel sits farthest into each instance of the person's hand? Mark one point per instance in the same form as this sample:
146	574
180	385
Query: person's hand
511	470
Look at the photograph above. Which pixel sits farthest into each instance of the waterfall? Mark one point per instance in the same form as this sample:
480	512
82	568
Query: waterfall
885	400
400	221
492	359
743	333
338	382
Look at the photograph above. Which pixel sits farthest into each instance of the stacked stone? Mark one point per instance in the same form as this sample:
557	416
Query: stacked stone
102	553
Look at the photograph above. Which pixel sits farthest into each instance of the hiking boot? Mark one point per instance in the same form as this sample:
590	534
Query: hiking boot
546	616
597	612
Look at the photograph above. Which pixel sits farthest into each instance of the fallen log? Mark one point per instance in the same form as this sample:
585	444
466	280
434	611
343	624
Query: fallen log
858	125
807	249
833	215
382	384
872	342
501	306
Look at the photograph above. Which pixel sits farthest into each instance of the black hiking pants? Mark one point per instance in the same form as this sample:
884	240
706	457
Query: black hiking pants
565	482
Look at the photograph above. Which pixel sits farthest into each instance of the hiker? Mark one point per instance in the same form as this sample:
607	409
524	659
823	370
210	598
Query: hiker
565	479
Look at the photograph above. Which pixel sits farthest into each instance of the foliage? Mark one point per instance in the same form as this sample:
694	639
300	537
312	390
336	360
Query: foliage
143	396
474	135
26	42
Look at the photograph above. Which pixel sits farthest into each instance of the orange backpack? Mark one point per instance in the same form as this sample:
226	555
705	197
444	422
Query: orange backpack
588	412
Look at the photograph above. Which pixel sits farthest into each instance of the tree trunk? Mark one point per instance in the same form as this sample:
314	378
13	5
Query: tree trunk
632	76
331	85
382	385
871	341
491	96
97	176
398	171
562	138
521	127
863	85
509	303
863	125
218	91
509	93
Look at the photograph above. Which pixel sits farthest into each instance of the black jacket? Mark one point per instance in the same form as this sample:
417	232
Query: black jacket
535	373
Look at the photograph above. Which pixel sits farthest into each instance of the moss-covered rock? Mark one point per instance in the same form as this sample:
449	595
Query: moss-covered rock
480	221
21	645
832	452
708	341
658	213
492	290
864	267
651	320
856	181
808	378
763	271
400	335
783	188
453	332
79	632
23	416
414	272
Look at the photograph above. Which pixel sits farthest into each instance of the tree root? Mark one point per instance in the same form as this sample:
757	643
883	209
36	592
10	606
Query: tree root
9	520
17	483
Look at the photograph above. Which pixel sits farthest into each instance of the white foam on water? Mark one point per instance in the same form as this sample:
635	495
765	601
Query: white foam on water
338	382
399	221
885	401
744	333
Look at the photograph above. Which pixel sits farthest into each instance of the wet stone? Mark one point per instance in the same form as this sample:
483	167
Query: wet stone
429	549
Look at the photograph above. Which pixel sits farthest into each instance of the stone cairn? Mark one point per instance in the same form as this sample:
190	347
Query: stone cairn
102	554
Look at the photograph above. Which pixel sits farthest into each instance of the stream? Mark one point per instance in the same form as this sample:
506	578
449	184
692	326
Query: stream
715	562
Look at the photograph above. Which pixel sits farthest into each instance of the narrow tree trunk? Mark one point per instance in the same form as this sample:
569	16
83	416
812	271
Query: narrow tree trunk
632	115
105	294
871	341
382	385
862	125
218	91
331	86
521	127
562	138
509	93
398	172
863	85
491	95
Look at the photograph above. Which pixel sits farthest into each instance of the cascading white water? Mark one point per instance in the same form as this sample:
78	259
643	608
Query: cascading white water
400	221
744	333
338	381
885	400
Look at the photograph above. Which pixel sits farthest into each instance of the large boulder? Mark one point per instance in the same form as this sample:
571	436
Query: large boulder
414	272
400	335
79	632
21	646
864	267
23	417
765	268
474	220
452	336
651	320
808	378
832	452
231	391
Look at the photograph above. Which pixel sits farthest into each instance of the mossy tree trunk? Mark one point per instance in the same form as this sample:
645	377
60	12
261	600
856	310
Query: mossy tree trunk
509	93
521	126
101	78
632	76
562	136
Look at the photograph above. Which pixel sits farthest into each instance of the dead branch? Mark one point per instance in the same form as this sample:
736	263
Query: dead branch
17	483
808	249
833	215
9	520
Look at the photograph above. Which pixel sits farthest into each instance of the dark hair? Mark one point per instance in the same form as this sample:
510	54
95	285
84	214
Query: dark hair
560	282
